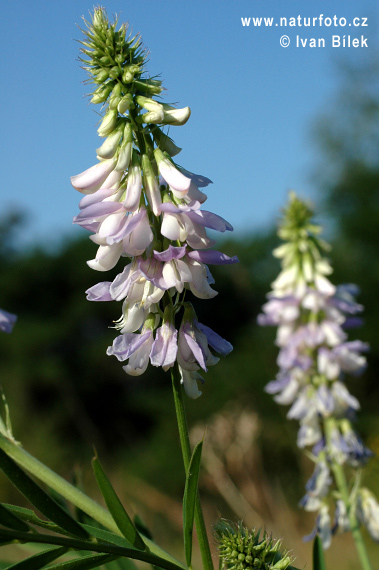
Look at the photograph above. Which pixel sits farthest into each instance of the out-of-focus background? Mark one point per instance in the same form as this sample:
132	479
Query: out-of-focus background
265	119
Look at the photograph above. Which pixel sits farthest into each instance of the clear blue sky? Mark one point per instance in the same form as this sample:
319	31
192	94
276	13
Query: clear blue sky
252	100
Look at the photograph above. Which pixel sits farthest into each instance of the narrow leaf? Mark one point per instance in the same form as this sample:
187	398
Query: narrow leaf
108	536
189	500
85	562
39	560
38	497
166	561
116	508
318	555
29	516
7	518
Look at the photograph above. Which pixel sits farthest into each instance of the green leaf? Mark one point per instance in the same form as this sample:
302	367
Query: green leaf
166	561
189	499
121	564
39	560
29	516
38	497
85	562
108	536
318	555
116	508
7	518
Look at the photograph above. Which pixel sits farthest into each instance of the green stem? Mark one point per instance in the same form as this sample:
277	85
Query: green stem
186	451
93	546
341	482
71	493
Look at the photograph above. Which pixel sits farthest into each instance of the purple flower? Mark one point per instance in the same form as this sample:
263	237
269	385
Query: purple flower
135	347
91	179
193	348
165	346
7	321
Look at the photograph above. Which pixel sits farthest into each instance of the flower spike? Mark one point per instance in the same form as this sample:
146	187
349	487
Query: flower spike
139	205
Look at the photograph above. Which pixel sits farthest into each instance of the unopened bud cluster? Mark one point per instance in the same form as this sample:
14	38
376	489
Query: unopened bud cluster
140	205
315	356
242	549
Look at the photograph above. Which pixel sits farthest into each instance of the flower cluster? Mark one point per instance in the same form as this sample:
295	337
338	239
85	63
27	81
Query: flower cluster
7	321
312	316
241	549
140	205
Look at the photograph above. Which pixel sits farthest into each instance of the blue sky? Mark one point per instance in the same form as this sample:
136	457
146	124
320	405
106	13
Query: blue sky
252	101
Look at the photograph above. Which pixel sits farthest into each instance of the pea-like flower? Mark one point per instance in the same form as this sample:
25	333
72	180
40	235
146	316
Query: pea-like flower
140	205
312	317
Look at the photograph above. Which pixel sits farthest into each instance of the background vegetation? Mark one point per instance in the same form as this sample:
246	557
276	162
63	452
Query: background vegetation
66	395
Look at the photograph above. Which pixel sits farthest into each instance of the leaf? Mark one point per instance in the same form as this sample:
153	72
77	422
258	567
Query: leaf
163	561
39	560
318	555
189	499
7	518
38	497
108	536
30	516
116	508
84	562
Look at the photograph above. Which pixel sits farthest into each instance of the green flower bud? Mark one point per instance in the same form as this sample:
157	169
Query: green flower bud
105	60
126	150
119	58
240	549
101	94
127	76
125	104
150	86
114	72
108	124
101	76
115	96
153	117
110	145
129	72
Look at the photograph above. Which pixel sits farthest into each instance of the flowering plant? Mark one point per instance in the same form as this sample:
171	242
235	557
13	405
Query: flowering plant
141	205
313	316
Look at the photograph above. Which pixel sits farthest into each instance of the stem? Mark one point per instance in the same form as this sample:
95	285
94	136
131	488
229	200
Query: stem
341	482
186	451
71	493
93	546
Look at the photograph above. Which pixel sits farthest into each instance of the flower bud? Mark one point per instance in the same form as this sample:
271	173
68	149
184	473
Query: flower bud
109	146
105	60
153	117
177	117
108	123
148	103
151	186
101	76
114	72
125	103
115	96
126	150
129	73
150	86
156	111
101	94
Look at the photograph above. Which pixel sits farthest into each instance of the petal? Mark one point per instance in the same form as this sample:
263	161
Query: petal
7	321
91	179
100	292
